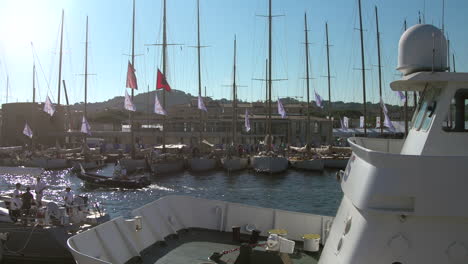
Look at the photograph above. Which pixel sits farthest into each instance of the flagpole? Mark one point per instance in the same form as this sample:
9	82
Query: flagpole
266	94
199	70
307	78
164	46
363	69
34	83
380	67
133	65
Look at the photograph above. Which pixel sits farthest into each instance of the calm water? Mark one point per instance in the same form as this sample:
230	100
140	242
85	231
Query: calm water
309	192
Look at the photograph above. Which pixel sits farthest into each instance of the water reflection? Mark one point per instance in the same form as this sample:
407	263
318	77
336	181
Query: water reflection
311	192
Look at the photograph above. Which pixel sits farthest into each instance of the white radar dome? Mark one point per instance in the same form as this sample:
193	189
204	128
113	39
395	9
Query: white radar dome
422	48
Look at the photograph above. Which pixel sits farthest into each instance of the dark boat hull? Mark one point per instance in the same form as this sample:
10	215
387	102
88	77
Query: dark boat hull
104	181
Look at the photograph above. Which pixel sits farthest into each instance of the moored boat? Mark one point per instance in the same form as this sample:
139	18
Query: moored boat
316	164
235	163
269	163
201	164
49	163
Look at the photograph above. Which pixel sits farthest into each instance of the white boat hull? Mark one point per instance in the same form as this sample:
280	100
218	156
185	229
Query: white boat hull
309	164
133	164
166	167
32	171
88	165
202	164
336	163
49	164
235	164
269	164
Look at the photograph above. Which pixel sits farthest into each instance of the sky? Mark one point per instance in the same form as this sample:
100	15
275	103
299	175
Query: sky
23	22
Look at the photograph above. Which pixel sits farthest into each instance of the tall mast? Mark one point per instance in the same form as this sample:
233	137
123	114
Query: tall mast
86	72
234	99
406	105
266	93
453	61
164	46
269	74
34	83
307	77
199	69
133	92
380	68
328	71
363	69
60	59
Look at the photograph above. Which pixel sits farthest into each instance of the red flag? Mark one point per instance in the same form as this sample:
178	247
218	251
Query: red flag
162	82
131	78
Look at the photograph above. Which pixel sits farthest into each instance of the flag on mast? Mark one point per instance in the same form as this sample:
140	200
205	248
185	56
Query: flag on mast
85	127
247	121
27	131
158	109
128	104
281	110
377	122
131	77
387	122
162	83
49	107
345	123
201	105
318	100
361	122
402	96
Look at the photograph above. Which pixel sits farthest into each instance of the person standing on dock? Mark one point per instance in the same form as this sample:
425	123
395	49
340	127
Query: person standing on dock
39	189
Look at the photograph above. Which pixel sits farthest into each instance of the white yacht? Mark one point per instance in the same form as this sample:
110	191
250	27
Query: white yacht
404	200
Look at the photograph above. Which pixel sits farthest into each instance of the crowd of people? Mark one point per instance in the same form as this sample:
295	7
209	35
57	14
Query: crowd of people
21	202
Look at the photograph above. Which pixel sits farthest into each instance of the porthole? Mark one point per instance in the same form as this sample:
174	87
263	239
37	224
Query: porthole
348	225
340	245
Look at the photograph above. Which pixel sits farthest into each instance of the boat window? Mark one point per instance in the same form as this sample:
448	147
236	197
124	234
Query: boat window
427	107
457	116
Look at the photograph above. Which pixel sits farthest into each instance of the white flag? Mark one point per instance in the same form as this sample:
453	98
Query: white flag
247	121
281	110
402	96
377	122
85	127
128	104
49	107
387	122
201	105
318	100
27	131
158	109
345	123
361	122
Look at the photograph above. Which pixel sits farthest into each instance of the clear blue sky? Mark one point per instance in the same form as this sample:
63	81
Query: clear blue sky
23	21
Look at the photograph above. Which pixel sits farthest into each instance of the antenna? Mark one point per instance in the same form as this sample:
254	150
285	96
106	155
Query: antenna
443	15
433	51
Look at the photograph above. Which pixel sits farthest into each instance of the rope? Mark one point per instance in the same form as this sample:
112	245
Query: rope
25	245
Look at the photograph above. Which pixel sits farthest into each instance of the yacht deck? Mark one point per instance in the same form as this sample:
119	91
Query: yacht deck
197	245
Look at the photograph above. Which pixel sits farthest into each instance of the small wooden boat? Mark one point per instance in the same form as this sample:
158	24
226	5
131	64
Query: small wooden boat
269	164
133	181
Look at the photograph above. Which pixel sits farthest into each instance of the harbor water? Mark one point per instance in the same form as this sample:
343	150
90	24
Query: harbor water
300	191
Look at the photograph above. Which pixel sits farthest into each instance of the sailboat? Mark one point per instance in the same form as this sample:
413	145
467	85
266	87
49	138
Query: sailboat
304	160
166	162
135	161
87	160
53	158
199	162
269	162
233	162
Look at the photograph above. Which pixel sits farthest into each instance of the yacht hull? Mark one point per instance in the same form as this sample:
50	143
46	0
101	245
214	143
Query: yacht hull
202	164
49	164
333	163
132	165
235	164
166	167
311	164
266	164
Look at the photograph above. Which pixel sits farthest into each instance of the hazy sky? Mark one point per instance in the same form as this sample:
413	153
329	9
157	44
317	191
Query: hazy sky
38	21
